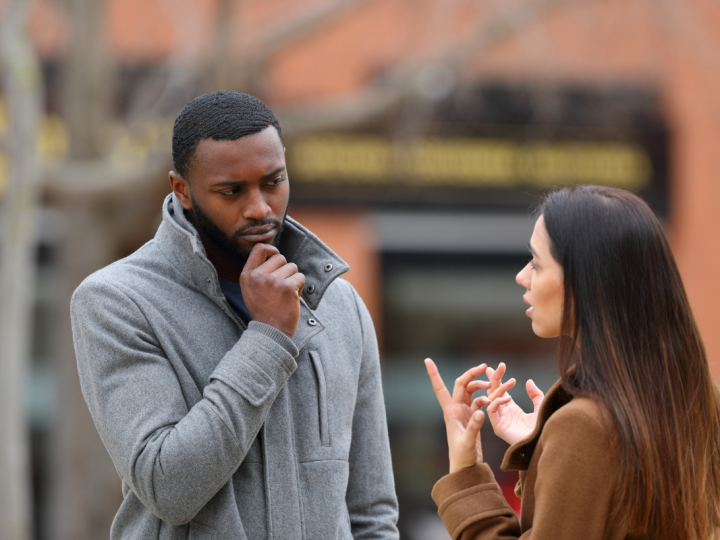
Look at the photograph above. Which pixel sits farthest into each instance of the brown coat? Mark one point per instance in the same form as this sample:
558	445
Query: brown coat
568	472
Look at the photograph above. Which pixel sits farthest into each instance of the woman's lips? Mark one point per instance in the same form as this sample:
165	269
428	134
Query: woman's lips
259	234
529	310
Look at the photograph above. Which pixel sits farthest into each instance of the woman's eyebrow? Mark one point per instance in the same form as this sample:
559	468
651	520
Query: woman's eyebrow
532	250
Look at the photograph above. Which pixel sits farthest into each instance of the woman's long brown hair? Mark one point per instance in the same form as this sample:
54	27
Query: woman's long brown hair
629	332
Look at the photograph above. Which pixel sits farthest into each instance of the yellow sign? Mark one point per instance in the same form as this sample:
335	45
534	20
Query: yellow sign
472	163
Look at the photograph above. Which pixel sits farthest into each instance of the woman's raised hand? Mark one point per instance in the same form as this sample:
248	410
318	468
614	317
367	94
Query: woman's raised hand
463	417
508	420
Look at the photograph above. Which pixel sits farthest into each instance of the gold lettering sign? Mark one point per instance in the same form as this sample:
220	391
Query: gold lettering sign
472	163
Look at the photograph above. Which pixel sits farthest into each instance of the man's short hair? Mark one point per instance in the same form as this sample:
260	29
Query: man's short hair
225	115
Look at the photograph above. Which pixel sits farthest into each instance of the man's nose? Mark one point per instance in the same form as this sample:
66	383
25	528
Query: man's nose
256	207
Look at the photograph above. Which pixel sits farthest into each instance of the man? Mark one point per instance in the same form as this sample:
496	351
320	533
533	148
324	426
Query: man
232	377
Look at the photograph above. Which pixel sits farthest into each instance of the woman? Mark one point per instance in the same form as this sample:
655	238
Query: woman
627	443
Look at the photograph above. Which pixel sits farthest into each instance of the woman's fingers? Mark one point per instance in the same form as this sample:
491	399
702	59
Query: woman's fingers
474	425
460	393
464	447
499	372
495	405
495	377
500	390
479	402
482	401
534	393
474	386
442	394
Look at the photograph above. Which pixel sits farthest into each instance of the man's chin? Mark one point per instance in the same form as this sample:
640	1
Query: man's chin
244	247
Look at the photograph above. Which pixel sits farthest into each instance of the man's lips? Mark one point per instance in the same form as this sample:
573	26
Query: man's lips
259	234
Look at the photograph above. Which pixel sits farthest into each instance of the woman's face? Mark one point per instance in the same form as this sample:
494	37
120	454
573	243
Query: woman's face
543	279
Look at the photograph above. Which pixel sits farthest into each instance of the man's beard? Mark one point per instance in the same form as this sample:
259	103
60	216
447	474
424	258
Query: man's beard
229	245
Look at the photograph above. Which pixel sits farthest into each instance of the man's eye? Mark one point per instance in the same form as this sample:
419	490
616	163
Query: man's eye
229	192
276	181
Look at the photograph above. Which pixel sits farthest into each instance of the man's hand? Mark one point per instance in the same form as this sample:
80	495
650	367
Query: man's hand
508	420
271	288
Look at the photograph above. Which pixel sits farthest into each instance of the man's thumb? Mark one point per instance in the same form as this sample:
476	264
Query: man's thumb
259	254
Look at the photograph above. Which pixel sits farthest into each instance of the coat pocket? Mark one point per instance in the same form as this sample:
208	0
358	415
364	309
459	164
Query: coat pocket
324	421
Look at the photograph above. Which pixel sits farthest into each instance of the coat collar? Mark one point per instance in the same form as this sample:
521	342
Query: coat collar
518	455
181	243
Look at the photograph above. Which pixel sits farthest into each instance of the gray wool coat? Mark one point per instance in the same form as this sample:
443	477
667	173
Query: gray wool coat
219	431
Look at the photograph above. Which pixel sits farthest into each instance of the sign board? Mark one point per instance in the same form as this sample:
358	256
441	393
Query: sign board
479	161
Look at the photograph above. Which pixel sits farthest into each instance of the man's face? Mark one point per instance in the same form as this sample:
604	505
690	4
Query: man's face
239	192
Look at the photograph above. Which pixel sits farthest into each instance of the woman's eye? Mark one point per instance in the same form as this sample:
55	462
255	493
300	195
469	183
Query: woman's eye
532	264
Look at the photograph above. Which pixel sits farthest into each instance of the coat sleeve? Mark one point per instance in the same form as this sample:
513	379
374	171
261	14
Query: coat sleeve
371	501
174	458
573	493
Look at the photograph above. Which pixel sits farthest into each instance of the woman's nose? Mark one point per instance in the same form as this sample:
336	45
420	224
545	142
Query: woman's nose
522	278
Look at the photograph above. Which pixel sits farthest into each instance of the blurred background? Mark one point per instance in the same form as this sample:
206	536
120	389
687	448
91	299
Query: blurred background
419	135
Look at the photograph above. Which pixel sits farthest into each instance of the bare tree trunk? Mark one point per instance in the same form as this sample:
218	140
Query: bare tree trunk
223	65
87	78
85	490
17	276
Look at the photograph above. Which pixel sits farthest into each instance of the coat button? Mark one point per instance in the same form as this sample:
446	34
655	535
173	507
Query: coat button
209	280
328	267
310	289
312	322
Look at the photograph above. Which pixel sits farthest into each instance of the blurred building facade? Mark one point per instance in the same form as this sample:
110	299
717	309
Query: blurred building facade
419	134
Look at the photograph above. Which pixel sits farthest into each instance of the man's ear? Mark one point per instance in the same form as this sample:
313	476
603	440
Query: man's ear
181	188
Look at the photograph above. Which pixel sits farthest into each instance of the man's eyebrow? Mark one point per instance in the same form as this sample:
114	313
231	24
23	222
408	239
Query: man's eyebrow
228	183
232	183
273	173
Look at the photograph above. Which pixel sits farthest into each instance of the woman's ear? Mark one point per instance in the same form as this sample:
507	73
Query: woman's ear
181	188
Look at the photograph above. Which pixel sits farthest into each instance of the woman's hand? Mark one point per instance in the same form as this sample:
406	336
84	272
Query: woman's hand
463	417
508	420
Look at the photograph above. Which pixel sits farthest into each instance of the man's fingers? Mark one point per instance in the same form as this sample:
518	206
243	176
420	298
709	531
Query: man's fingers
297	281
258	255
442	394
272	263
286	270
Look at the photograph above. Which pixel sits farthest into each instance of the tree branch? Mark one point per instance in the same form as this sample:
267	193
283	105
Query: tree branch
278	40
402	81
